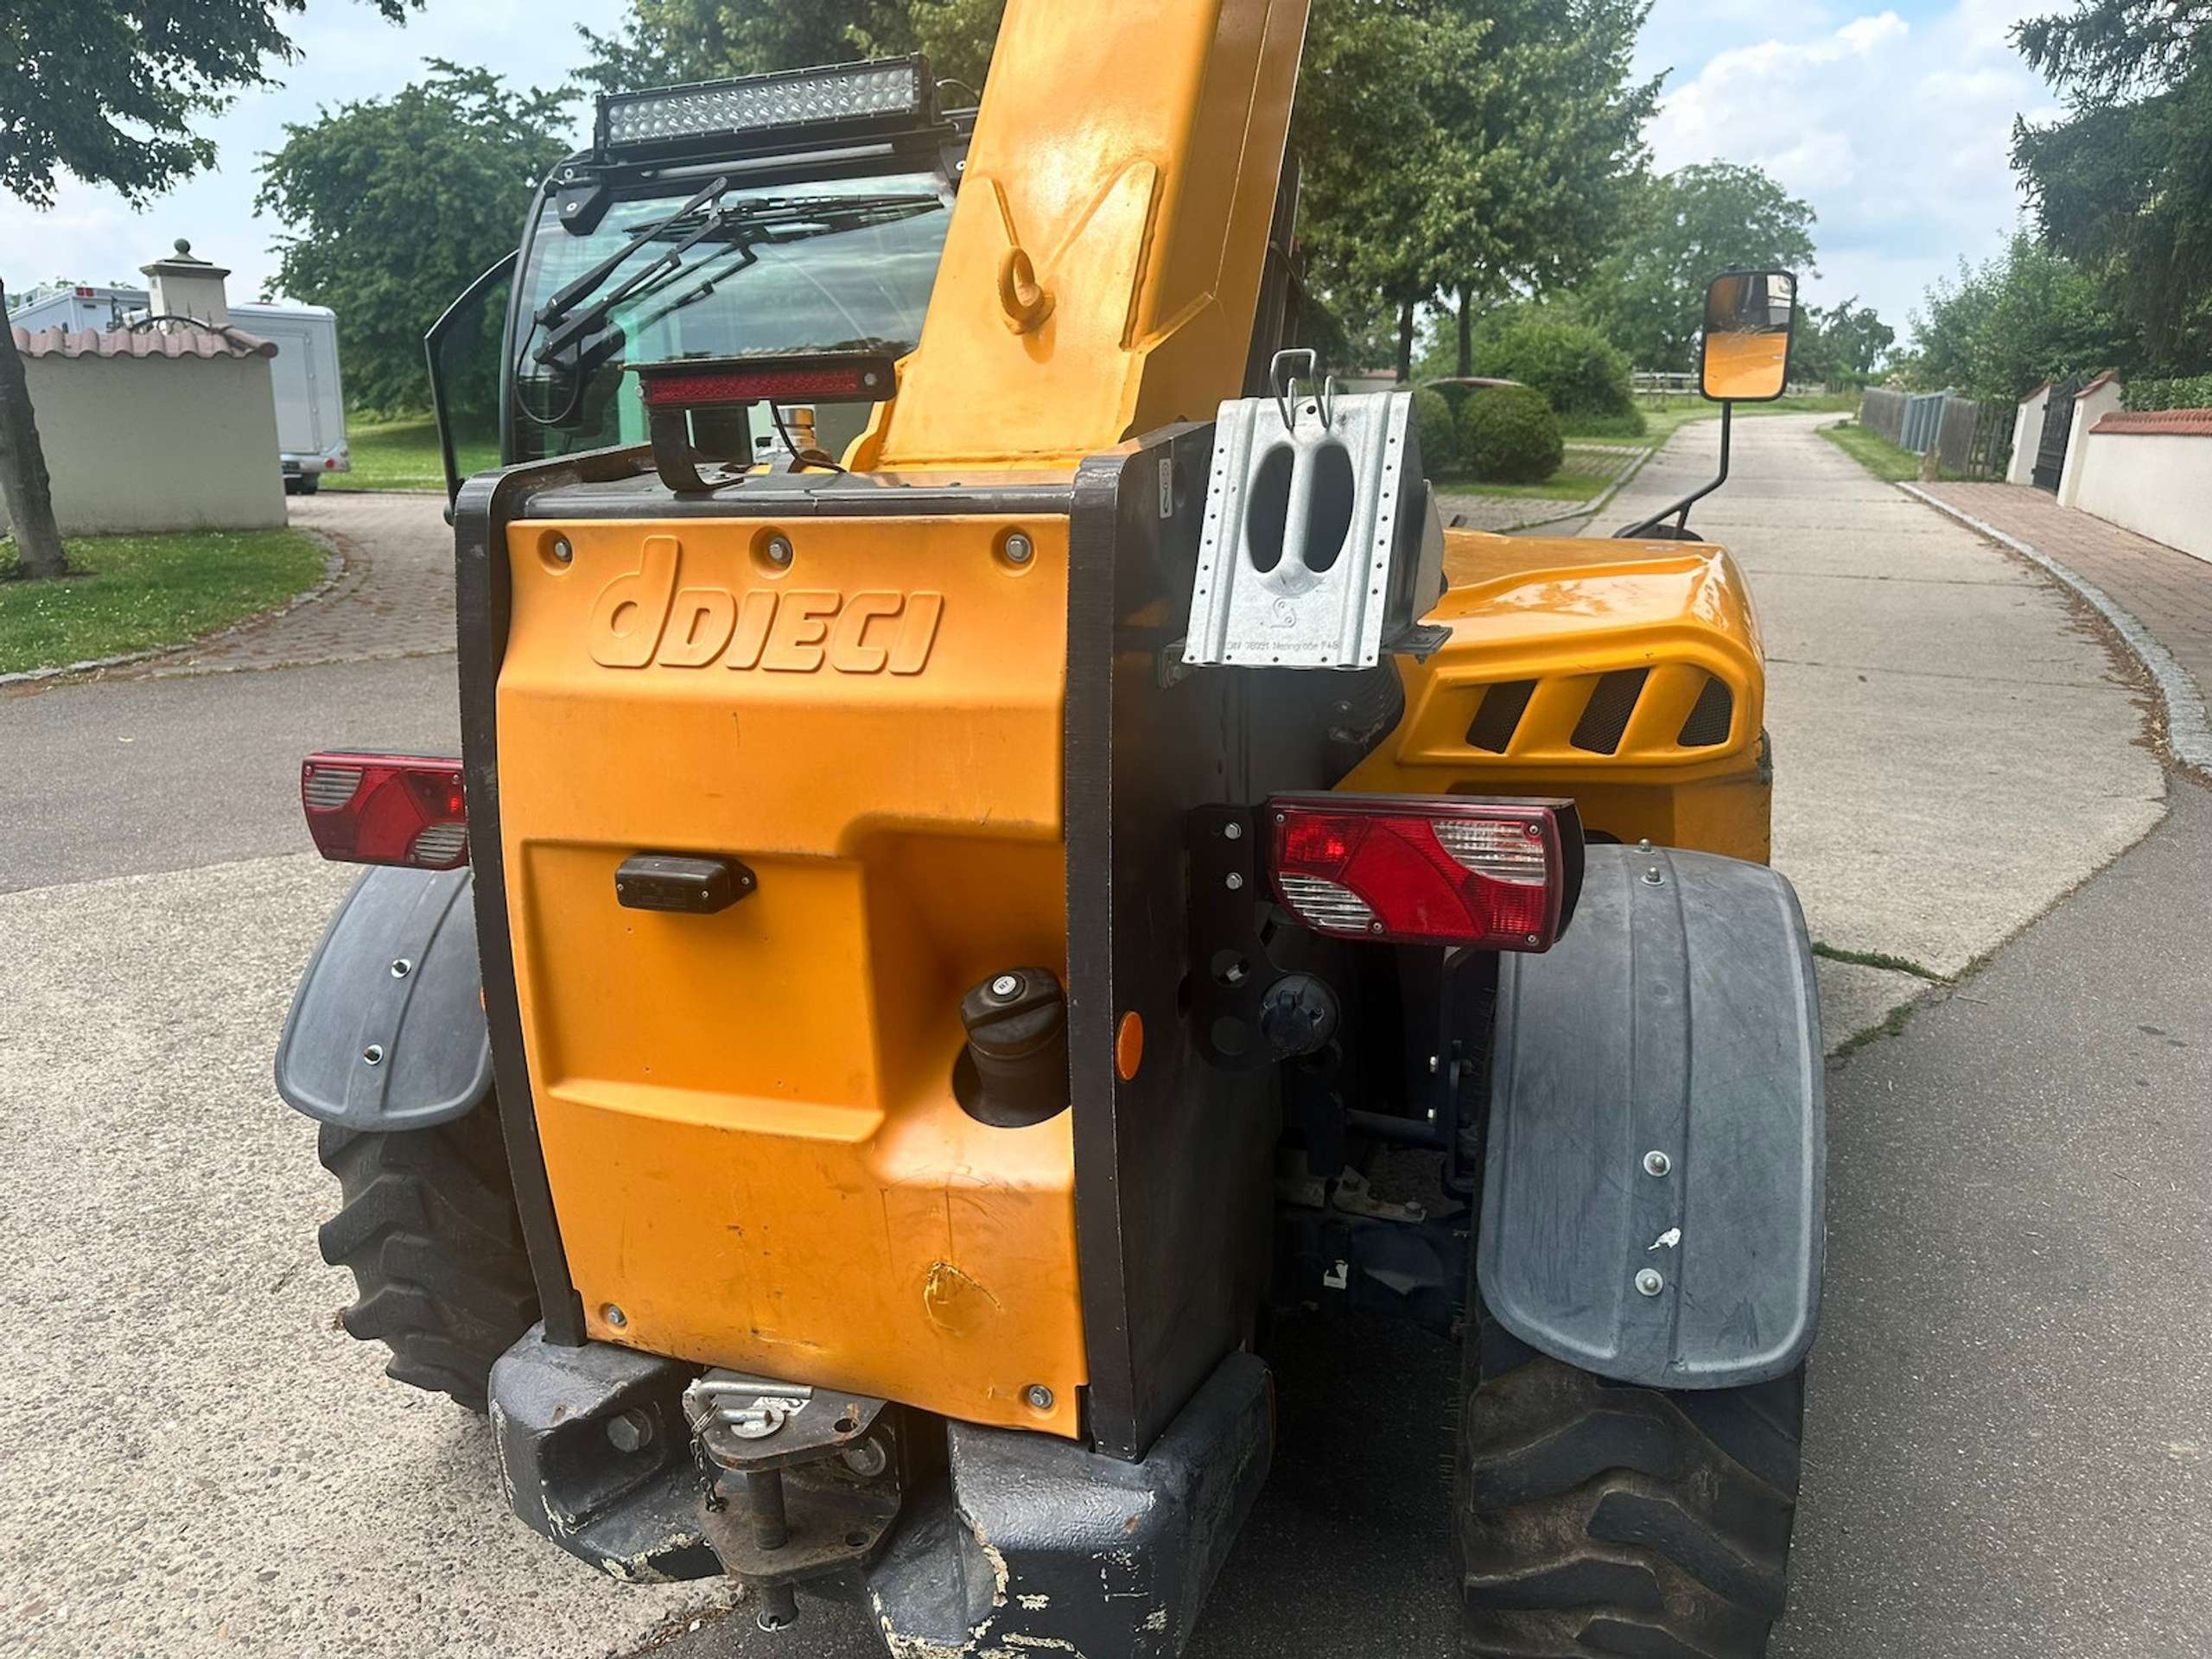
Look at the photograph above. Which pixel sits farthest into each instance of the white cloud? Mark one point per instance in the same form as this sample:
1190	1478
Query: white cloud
346	52
1896	131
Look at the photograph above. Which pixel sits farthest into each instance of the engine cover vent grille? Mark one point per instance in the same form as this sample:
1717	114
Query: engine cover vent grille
1606	717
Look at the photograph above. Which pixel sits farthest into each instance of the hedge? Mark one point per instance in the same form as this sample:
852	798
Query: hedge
1579	372
2191	392
1439	435
1508	435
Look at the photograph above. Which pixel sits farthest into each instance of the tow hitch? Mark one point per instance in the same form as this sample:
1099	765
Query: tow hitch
800	1483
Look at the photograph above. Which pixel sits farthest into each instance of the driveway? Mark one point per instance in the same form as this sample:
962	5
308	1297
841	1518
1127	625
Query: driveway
201	1462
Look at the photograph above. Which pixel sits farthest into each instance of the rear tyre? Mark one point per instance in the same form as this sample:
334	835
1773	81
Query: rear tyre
1596	1518
427	1223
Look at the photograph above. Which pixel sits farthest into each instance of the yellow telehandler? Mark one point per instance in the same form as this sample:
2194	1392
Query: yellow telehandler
991	811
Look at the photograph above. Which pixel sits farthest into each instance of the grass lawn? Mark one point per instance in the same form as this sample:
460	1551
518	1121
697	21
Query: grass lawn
1874	451
404	455
1570	483
135	593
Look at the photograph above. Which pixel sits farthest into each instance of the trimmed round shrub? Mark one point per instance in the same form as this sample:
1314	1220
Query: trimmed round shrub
1579	370
1439	434
1508	435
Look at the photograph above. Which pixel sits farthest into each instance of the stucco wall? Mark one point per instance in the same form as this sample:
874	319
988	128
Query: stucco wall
138	444
2154	484
2101	397
2027	436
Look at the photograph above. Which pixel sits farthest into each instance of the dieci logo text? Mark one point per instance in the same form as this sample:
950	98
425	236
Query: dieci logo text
643	617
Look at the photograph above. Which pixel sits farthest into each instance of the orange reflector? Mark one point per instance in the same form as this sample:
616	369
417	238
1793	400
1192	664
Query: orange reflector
1129	1044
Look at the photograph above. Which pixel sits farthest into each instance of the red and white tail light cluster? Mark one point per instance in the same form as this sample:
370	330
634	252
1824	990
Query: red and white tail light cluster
386	809
1420	869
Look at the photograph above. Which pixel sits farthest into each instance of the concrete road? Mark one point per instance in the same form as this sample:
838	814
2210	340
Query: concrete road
1955	746
202	1464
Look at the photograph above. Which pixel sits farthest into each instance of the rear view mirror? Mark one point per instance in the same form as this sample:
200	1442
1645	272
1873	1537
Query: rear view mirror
1750	318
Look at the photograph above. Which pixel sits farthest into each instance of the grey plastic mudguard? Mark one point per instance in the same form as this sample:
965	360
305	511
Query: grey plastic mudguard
395	978
1678	1014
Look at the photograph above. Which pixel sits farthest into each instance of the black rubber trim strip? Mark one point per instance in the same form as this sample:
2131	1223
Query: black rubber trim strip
482	597
622	484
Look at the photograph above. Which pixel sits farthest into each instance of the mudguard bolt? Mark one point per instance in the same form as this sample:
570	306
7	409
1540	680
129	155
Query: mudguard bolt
372	1055
1020	549
778	550
1652	878
401	968
631	1431
1657	1163
614	1316
1235	881
1649	1282
1038	1396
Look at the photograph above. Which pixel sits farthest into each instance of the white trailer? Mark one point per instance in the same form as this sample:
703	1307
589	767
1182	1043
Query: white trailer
310	400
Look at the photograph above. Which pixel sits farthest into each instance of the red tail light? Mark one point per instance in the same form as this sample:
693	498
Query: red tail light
386	809
1419	869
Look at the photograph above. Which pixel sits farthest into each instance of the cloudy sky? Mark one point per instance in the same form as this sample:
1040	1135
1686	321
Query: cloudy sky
1892	122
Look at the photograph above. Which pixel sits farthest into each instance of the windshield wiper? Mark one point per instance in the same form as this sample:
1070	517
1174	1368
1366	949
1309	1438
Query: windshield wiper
764	219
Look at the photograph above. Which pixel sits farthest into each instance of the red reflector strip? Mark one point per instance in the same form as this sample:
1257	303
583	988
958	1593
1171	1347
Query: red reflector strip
386	809
1426	870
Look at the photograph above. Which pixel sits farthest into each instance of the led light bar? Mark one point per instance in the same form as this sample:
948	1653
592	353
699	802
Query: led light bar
889	89
718	382
1423	870
385	809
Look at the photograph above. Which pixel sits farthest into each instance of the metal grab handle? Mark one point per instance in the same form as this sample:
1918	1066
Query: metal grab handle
1285	387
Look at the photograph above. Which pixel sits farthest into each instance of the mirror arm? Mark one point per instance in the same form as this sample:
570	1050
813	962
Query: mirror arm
1680	511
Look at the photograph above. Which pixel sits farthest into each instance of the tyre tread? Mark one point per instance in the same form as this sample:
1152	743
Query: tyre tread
427	1226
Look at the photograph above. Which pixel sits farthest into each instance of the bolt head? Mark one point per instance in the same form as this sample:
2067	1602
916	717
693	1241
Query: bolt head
1652	878
372	1055
779	550
1020	549
1038	1396
631	1431
562	551
1656	1163
614	1316
401	968
1649	1282
1232	831
1233	881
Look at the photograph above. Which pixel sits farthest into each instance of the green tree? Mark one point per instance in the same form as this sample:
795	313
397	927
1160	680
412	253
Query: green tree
1375	81
1681	229
393	206
1545	134
662	41
108	90
2001	327
2122	186
1842	345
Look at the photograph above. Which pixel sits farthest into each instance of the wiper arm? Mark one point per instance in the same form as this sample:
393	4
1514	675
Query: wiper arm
564	301
766	218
